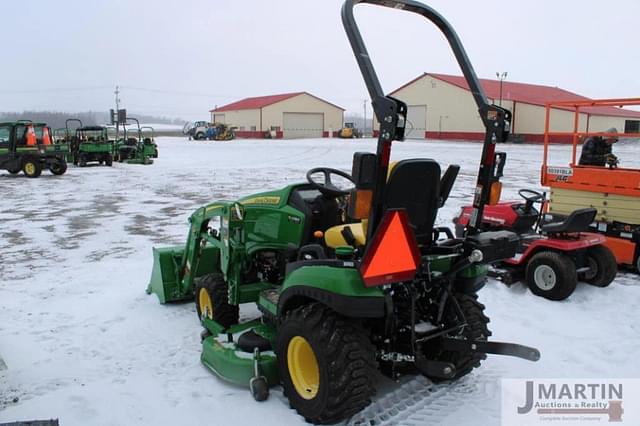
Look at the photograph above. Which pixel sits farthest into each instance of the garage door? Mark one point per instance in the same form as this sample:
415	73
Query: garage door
302	125
218	118
416	121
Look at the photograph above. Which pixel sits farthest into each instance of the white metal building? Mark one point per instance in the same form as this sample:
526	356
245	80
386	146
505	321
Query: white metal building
289	116
441	106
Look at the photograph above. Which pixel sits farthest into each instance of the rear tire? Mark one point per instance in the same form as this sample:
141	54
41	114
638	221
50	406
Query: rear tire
212	300
326	363
58	168
32	168
551	275
603	264
464	361
108	160
14	171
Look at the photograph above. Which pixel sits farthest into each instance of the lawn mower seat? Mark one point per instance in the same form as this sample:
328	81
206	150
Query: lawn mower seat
414	185
578	221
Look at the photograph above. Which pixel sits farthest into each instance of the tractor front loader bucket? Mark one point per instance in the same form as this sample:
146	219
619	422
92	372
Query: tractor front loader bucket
172	283
165	277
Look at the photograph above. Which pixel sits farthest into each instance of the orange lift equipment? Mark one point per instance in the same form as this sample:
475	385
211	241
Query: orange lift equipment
613	191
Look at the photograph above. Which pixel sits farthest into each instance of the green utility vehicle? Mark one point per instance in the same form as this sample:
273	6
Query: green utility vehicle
347	280
149	140
62	143
131	148
90	144
22	150
46	137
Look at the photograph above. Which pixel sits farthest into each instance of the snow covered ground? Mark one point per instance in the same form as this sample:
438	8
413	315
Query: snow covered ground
82	341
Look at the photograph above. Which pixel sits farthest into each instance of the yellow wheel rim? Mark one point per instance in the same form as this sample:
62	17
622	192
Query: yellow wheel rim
30	168
303	367
206	306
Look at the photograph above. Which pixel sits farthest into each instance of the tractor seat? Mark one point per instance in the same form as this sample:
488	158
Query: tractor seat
414	185
578	221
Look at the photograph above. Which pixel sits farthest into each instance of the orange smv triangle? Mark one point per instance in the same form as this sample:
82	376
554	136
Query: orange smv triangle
393	254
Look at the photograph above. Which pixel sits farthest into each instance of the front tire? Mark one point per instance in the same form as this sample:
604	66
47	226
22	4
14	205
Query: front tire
326	364
604	267
212	300
32	168
551	275
108	160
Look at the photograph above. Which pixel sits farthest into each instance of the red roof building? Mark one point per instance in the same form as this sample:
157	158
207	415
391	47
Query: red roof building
442	107
287	115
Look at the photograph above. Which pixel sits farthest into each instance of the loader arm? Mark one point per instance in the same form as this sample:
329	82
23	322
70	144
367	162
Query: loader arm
175	268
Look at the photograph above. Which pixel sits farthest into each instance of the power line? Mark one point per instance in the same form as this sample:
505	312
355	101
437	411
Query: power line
54	90
177	92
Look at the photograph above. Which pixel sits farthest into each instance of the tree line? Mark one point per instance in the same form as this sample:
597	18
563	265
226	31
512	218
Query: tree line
56	119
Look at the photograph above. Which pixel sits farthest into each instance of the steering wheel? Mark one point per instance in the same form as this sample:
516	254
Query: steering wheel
530	195
327	187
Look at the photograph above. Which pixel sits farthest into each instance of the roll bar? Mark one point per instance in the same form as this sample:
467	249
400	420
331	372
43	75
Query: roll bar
391	113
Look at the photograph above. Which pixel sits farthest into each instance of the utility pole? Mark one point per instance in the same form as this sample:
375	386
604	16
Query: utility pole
117	92
364	107
501	76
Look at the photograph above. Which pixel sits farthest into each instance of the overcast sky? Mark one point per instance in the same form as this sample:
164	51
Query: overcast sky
182	58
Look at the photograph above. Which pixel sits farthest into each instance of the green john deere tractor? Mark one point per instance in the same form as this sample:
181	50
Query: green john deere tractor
131	149
347	280
22	150
90	144
150	148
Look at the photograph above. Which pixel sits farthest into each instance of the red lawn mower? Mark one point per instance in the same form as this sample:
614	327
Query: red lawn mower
551	256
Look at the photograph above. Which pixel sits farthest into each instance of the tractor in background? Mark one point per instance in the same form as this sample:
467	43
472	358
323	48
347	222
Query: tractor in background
89	144
149	141
130	148
203	130
348	279
349	131
552	255
220	132
22	150
93	145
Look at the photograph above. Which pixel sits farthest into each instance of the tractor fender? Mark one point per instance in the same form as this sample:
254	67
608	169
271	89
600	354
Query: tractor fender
339	288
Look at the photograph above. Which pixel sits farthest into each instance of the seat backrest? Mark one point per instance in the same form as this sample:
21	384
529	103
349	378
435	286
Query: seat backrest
446	183
578	221
415	186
